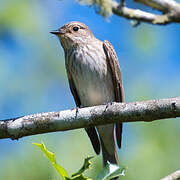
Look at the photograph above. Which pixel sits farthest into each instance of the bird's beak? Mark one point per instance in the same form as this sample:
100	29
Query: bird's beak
58	32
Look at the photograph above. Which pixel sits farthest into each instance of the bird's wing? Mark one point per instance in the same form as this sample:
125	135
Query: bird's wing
91	131
73	89
117	82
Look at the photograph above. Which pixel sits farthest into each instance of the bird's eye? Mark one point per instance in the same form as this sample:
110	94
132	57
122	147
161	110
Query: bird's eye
75	28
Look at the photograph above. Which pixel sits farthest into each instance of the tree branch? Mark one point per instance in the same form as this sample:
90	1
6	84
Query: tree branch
91	116
174	176
161	5
169	8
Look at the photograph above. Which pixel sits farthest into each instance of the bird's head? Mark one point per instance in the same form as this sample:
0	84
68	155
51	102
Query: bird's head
73	34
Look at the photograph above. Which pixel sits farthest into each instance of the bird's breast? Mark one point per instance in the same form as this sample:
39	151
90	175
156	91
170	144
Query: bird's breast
91	75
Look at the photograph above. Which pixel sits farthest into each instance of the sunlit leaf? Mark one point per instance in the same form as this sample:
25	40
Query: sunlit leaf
110	171
62	172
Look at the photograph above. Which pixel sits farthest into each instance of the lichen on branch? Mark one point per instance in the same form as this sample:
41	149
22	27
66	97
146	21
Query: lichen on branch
102	7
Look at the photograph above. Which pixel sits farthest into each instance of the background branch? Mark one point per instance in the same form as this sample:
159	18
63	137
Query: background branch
91	116
136	14
174	176
170	10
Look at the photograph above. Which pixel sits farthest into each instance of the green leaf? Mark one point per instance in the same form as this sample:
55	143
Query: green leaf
78	177
85	166
110	171
62	172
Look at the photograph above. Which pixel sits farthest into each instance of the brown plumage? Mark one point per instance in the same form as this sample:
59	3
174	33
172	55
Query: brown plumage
94	78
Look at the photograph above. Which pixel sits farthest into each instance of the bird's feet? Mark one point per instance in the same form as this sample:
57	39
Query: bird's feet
107	105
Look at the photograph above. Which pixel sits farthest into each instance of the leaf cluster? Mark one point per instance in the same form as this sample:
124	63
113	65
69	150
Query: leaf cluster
108	172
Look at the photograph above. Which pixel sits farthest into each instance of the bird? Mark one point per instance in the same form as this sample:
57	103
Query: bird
94	78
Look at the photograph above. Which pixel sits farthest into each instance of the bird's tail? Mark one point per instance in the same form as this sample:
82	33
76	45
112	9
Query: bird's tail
108	146
107	157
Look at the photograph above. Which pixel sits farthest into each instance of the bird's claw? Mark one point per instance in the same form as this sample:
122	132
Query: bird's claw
107	105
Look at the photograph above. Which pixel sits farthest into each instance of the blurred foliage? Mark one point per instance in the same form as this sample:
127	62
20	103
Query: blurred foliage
103	7
33	79
29	166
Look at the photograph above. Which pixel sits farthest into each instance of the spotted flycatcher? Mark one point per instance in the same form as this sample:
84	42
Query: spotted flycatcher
94	79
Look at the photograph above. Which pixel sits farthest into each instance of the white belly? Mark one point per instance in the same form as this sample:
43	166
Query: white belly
93	82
